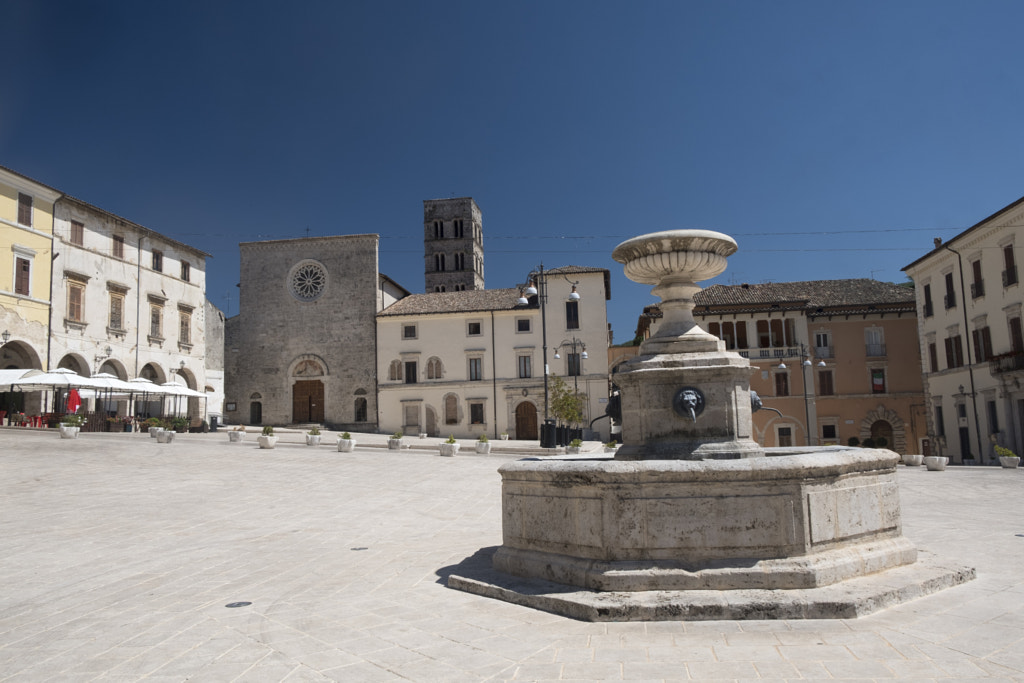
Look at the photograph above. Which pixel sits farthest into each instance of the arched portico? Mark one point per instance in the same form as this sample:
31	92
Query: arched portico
76	363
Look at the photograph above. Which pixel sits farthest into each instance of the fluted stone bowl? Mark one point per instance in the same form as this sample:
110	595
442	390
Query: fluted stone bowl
694	254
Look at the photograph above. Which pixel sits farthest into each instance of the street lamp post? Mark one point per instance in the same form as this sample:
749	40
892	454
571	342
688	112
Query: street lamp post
805	362
537	285
575	344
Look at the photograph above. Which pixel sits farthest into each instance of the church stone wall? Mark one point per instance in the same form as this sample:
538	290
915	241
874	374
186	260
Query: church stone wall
304	304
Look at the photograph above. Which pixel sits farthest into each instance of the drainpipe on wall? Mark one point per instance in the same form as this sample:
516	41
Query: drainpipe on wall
970	363
494	373
138	302
53	257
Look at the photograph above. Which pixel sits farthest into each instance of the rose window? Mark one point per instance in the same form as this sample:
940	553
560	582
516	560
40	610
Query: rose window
308	281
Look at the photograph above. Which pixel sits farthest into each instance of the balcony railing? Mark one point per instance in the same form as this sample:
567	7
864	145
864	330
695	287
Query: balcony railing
977	289
779	352
875	350
824	352
929	310
949	301
1007	362
1010	276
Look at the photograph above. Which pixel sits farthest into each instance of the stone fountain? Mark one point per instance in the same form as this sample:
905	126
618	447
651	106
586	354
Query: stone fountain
692	519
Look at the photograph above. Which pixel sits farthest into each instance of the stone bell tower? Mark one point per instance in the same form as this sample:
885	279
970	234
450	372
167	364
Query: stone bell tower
453	245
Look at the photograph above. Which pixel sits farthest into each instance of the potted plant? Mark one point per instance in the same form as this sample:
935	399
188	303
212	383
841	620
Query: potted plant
313	437
936	463
504	436
395	442
913	459
237	434
70	426
1007	458
127	423
483	446
346	444
611	447
180	424
574	446
267	438
154	426
450	447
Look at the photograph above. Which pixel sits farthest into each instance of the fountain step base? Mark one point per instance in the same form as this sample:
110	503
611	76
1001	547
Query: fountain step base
845	600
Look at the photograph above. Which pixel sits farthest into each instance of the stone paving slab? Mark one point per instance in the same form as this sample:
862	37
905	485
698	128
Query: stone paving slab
119	556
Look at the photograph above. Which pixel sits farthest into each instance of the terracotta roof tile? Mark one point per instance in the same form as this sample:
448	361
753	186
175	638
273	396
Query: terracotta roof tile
468	301
859	293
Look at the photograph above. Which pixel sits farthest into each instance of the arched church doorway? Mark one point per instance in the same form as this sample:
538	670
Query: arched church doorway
308	394
526	421
308	401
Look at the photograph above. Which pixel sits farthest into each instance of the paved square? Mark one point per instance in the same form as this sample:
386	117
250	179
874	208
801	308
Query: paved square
119	555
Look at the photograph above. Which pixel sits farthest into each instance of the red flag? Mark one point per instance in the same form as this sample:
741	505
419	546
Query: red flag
74	401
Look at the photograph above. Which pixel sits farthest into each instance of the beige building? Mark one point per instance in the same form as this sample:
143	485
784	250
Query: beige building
969	300
472	362
838	358
128	301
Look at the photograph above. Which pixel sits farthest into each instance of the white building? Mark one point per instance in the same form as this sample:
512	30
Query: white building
127	301
471	362
969	300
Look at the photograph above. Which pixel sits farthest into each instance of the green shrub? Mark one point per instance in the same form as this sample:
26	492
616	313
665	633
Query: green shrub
268	430
396	435
853	442
576	443
315	431
1005	452
483	438
451	438
346	436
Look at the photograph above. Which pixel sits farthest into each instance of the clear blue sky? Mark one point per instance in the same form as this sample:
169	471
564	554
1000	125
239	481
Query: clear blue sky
831	139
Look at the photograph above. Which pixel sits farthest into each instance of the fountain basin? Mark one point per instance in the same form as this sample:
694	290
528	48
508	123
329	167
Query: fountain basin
799	521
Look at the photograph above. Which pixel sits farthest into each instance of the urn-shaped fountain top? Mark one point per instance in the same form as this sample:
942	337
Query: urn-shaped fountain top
692	255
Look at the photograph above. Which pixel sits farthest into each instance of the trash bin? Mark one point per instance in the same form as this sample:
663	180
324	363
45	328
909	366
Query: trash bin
547	434
213	423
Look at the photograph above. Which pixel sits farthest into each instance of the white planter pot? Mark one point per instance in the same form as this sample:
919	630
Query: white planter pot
312	439
571	450
609	450
165	436
936	463
69	432
483	447
266	441
449	449
913	459
154	431
423	435
346	445
394	444
236	437
504	437
1009	463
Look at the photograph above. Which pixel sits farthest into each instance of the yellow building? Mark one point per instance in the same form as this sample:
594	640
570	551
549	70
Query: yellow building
26	242
838	358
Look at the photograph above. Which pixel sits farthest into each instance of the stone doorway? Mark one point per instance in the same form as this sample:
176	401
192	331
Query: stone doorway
881	429
431	422
308	401
526	421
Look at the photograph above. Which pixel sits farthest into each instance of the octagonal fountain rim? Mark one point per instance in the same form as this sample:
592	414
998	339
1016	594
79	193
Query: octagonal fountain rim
781	463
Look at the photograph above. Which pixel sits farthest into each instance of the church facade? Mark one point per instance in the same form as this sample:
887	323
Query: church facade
293	355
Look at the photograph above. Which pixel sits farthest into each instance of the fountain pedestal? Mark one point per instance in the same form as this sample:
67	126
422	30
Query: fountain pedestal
684	397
